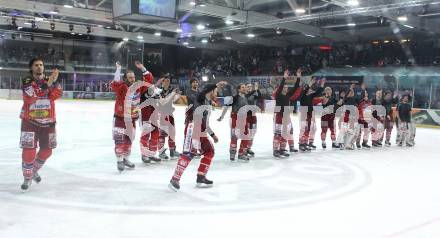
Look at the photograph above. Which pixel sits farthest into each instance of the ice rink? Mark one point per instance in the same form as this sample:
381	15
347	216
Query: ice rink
387	192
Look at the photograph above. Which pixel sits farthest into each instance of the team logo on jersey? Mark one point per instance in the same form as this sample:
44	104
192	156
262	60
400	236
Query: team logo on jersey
29	91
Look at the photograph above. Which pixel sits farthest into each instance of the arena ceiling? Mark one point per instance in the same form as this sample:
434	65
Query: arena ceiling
235	23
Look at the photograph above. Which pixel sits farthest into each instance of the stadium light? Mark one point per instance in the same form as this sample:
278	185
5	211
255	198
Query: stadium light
229	22
204	41
353	3
351	24
250	35
158	34
200	27
205	78
300	11
402	18
408	26
67	6
228	38
125	39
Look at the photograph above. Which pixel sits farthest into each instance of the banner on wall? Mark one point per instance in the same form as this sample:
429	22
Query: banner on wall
267	84
427	117
89	95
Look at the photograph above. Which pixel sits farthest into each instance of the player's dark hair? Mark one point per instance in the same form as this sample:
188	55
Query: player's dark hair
127	72
193	80
32	61
239	86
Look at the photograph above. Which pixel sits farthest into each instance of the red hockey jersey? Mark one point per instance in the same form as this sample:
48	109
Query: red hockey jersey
39	100
121	88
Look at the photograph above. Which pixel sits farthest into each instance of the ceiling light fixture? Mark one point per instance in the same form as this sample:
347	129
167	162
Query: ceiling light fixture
402	18
300	11
229	22
353	3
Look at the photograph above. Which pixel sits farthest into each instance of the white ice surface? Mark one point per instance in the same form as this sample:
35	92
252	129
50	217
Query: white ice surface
388	192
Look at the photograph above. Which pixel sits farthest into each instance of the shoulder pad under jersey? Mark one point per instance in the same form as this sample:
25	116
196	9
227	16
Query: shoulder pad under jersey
27	80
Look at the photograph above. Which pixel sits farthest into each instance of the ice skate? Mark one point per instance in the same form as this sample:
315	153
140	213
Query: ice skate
120	166
387	144
376	144
26	184
303	148
324	145
203	182
128	164
36	177
365	145
174	185
293	150
146	160
163	156
276	153
284	153
174	154
350	147
243	158
341	146
250	153
311	146
335	145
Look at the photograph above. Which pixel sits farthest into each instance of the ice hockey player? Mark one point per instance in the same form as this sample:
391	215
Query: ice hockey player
38	120
306	117
167	131
123	141
377	124
191	96
389	101
196	134
349	126
149	99
330	105
253	96
364	118
406	127
283	126
238	124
